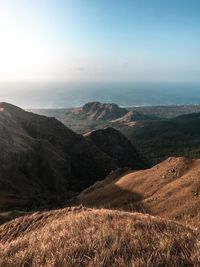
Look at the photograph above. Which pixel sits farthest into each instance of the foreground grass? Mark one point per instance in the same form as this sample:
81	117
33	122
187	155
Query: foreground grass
89	237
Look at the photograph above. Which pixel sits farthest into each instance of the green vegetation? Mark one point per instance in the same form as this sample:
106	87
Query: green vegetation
157	140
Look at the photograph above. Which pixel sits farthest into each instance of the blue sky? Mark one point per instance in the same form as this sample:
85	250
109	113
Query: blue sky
100	40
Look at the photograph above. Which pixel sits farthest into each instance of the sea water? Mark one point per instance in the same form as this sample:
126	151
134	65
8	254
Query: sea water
74	94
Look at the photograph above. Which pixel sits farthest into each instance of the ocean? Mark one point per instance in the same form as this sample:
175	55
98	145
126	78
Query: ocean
65	95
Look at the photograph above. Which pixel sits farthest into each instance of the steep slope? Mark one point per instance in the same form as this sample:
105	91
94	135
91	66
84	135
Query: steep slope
135	117
157	140
130	118
28	165
114	144
96	115
170	189
85	237
39	156
100	111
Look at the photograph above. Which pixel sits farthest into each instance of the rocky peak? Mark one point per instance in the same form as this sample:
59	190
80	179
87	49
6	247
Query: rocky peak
102	111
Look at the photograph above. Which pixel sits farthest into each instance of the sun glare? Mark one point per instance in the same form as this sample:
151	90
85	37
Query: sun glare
20	57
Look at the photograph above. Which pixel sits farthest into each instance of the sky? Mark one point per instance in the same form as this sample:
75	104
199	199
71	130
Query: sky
99	40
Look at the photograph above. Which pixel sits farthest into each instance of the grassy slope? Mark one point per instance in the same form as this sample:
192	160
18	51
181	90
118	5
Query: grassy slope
170	189
80	238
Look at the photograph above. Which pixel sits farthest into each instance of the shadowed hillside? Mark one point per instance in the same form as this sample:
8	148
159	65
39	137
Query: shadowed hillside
171	189
117	146
158	140
41	157
154	138
85	237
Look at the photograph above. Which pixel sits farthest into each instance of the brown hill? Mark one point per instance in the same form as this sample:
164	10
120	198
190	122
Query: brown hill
40	156
130	118
85	237
100	111
171	189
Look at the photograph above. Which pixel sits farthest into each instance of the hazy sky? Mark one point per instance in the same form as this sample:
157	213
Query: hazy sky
100	40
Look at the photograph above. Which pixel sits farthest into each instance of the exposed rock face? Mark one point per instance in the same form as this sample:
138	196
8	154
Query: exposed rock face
101	111
39	155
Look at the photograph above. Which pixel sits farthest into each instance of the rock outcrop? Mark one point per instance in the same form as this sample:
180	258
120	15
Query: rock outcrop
100	111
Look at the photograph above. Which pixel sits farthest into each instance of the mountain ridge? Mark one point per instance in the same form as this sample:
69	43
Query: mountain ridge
100	111
41	156
170	189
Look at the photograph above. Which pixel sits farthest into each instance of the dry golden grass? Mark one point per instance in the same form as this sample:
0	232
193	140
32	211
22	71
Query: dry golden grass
170	189
85	237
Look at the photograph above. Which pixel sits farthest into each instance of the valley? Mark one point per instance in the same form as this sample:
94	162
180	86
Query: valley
94	115
130	182
43	162
156	132
99	133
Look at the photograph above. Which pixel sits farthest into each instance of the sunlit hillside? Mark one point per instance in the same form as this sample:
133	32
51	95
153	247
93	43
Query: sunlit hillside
81	237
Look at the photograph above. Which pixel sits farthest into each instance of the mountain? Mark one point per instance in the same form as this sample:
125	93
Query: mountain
157	140
165	111
154	138
100	111
41	157
130	119
170	189
95	116
44	164
86	237
114	144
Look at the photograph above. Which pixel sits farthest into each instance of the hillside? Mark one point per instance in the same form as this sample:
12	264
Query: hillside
84	237
117	146
100	111
167	111
41	157
154	138
130	118
96	115
157	140
170	189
